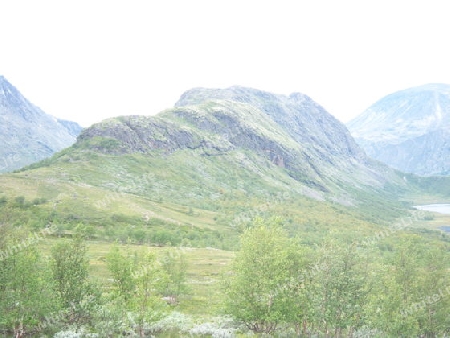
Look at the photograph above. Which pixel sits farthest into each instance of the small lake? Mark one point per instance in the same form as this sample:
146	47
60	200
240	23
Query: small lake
439	208
446	228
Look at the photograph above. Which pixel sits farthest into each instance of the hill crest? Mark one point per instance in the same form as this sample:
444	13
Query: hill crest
293	132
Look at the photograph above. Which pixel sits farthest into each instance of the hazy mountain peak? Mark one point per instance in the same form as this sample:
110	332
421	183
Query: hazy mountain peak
27	134
396	128
404	114
9	95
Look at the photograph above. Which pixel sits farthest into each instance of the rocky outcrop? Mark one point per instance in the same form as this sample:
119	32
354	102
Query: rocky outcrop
292	132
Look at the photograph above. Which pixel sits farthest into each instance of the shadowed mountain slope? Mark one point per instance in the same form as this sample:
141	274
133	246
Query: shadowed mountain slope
27	134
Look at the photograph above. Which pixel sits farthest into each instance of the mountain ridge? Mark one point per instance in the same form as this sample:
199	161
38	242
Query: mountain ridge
293	132
400	128
27	133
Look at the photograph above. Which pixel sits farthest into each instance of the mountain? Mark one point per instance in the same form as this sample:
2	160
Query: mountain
408	130
293	133
28	134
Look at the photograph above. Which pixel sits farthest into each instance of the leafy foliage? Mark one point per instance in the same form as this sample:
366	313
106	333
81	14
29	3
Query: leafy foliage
75	292
339	288
258	292
139	281
25	285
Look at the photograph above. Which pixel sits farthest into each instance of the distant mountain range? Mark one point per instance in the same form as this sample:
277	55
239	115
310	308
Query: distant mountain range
27	134
409	130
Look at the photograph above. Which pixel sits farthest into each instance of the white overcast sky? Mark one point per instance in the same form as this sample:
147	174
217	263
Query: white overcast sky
89	60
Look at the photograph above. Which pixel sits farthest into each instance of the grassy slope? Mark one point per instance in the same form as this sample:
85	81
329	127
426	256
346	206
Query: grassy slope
107	191
205	268
123	197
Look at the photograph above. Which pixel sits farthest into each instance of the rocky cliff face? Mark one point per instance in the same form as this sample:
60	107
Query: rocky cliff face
408	130
294	132
27	134
305	121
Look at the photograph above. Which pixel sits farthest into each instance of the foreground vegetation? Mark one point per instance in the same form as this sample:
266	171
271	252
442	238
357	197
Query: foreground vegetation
396	287
52	285
394	283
